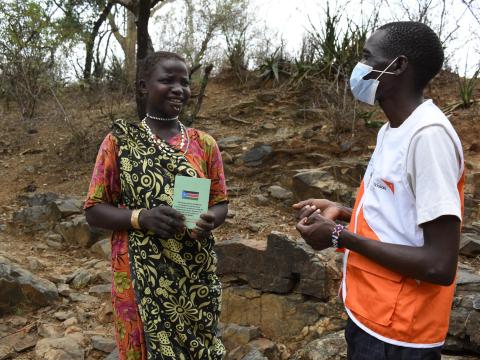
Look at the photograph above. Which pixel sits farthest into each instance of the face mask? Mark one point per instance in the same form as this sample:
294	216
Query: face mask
365	90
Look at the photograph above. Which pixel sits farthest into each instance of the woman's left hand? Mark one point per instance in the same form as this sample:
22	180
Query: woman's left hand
204	225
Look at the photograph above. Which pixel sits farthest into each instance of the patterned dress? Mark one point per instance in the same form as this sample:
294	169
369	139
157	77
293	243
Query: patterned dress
165	293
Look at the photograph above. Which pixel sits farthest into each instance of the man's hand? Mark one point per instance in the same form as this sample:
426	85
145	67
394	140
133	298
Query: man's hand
316	230
204	225
329	209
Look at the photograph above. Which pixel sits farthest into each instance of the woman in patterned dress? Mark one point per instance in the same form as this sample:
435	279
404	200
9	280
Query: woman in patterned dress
165	293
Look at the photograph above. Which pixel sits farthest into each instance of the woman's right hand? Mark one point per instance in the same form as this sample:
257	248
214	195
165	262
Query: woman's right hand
162	220
329	209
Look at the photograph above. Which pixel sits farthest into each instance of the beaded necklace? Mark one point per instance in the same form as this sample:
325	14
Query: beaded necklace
163	145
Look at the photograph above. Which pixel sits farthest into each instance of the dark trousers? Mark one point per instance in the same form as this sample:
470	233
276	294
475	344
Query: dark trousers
363	346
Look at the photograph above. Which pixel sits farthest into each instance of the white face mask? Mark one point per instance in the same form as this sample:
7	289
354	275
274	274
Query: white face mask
365	90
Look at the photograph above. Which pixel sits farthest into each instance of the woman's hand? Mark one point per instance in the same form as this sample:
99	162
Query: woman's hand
204	225
316	230
162	220
328	209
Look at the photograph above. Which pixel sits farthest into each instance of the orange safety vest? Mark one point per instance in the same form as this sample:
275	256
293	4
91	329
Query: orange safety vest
392	307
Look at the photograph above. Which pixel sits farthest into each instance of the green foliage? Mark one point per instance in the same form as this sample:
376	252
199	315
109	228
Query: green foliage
466	87
332	50
28	43
274	65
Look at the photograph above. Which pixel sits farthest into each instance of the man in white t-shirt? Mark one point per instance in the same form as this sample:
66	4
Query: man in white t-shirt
401	246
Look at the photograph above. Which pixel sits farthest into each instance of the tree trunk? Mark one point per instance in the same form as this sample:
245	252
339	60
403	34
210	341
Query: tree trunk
144	47
130	47
89	45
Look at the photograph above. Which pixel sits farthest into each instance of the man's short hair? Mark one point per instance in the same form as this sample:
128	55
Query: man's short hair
419	44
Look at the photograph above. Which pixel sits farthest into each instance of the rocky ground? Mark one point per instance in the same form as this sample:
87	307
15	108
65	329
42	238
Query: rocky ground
279	297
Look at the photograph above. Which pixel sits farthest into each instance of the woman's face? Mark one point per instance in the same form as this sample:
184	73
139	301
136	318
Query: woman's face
168	88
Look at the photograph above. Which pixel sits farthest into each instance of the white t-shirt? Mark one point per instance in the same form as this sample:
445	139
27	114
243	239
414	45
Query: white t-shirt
433	171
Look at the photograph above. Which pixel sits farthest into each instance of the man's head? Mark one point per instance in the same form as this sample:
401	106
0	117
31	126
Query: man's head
418	43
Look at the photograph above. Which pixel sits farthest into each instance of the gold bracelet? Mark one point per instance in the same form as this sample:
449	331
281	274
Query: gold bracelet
134	219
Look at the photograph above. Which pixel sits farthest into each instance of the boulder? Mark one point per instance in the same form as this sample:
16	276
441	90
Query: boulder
102	249
257	155
281	265
64	348
76	231
315	183
281	318
329	347
69	206
234	335
37	218
21	288
464	328
35	199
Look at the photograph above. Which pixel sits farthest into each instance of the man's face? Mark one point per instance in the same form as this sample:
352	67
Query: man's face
374	56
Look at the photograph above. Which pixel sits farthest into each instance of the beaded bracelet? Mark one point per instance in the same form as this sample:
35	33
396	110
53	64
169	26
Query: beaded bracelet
336	234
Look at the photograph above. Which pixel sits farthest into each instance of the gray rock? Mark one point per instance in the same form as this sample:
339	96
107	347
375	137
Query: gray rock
467	281
55	244
104	344
69	206
229	142
65	348
330	347
76	231
63	289
21	288
113	355
470	245
100	289
35	199
260	200
234	335
257	155
62	315
254	354
80	279
82	298
464	328
281	265
318	184
279	193
36	218
34	264
102	249
49	331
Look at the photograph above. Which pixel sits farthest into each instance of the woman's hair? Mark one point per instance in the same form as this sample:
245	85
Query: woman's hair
419	44
148	64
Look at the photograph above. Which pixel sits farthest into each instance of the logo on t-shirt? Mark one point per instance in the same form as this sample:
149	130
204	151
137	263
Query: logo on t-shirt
386	184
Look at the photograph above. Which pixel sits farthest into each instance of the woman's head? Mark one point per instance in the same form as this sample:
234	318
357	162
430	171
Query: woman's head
164	80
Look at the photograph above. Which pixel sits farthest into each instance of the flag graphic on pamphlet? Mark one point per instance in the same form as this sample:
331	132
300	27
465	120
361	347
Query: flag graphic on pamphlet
191	195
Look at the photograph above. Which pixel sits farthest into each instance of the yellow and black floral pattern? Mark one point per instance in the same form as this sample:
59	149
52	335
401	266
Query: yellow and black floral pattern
177	291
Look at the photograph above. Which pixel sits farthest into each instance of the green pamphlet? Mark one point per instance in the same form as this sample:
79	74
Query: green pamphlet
190	198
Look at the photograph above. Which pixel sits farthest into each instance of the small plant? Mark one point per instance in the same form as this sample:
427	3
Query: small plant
274	66
466	87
